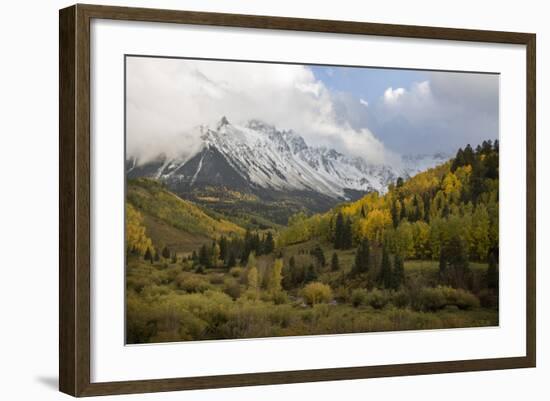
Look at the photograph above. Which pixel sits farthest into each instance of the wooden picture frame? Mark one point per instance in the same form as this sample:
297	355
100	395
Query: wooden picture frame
74	203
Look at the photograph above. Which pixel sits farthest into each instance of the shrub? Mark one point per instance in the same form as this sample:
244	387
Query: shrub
377	298
137	283
282	316
460	298
248	320
342	294
186	266
154	291
432	299
250	295
216	279
191	283
316	292
429	299
279	297
401	299
359	297
236	272
232	288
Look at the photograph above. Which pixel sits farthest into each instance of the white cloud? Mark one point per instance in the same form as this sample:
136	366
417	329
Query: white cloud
442	113
391	96
168	98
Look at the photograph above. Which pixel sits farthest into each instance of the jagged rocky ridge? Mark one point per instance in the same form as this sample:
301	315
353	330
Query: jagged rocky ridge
257	156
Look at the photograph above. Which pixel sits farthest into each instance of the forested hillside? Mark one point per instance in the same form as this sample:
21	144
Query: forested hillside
168	219
422	256
448	213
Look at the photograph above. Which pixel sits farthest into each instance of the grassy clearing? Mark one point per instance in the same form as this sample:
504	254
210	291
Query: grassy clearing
171	302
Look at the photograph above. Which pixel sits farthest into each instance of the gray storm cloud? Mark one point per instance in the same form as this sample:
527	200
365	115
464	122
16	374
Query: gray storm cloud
168	98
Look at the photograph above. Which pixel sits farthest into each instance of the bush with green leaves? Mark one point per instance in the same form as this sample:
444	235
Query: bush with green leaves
429	299
374	298
232	287
216	279
460	298
359	297
192	283
433	299
377	299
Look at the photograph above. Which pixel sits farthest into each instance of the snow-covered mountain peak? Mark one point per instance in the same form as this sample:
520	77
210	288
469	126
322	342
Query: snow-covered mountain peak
259	155
223	122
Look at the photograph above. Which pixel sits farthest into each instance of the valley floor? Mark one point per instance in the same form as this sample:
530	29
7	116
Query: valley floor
170	302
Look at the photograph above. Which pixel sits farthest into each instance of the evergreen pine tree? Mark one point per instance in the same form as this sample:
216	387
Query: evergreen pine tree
477	179
416	209
232	262
319	255
311	274
247	246
491	166
394	213
165	252
347	237
244	258
492	272
398	272
339	231
386	276
334	263
204	256
256	244
468	155
458	160
456	255
442	265
292	262
269	243
427	206
223	248
362	257
148	255
486	147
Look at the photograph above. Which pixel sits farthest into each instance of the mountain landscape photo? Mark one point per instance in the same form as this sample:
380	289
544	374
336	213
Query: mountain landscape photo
273	200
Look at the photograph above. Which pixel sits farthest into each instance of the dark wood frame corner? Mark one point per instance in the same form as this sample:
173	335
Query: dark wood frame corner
74	199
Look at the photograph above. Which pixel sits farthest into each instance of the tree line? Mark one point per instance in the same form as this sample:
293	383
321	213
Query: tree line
448	213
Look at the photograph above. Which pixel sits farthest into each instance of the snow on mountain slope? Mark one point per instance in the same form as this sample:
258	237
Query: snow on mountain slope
414	164
259	155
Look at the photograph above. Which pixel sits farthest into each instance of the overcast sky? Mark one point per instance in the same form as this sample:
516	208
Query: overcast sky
368	112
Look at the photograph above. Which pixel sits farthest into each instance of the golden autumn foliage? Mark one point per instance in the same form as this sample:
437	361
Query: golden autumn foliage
136	238
315	293
420	256
275	283
374	224
151	198
416	216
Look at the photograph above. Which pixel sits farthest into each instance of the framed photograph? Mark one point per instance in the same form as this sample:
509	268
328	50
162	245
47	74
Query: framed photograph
250	200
